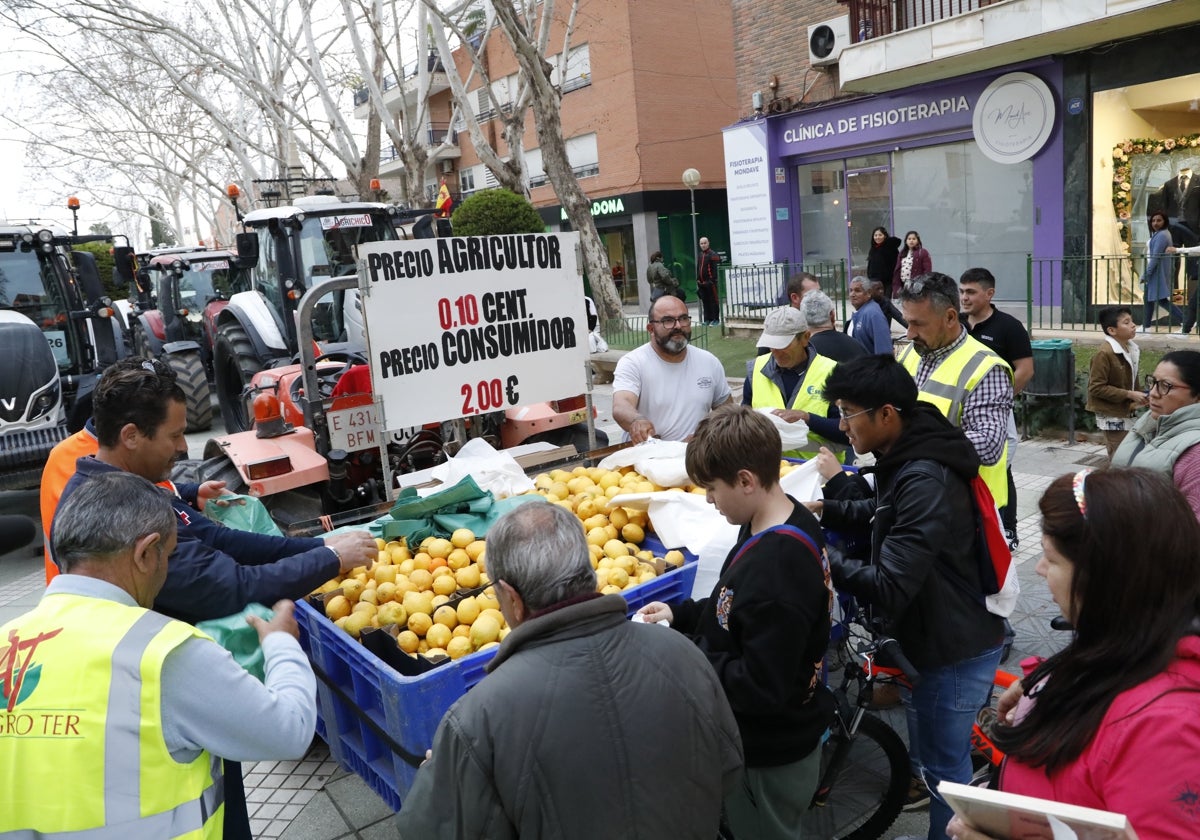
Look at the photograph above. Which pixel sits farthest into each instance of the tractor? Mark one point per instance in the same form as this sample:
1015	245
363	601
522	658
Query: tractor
60	331
180	296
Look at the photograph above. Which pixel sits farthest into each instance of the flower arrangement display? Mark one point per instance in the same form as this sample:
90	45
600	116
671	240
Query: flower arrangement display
1122	191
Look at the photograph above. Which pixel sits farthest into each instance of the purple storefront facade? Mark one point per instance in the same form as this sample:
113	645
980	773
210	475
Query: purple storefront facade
910	159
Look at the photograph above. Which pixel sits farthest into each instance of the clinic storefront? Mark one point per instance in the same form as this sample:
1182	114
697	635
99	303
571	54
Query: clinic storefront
974	165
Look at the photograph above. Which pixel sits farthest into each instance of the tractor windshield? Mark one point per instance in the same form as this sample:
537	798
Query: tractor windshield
30	283
329	248
208	280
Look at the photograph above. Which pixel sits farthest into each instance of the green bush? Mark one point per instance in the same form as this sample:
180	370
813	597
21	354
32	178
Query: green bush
490	212
102	251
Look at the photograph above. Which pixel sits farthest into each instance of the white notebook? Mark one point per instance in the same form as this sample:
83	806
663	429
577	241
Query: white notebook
1010	816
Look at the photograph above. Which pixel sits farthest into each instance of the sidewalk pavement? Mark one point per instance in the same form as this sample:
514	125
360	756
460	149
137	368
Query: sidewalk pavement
314	799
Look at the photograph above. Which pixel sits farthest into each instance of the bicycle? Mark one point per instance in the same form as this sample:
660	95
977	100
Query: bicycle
865	771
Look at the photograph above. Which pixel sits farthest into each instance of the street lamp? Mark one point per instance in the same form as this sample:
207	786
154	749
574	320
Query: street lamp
691	180
73	205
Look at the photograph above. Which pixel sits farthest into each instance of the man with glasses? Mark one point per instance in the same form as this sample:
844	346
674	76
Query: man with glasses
969	383
663	388
790	379
923	577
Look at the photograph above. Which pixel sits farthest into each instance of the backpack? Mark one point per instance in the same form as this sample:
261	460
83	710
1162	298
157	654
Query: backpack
997	572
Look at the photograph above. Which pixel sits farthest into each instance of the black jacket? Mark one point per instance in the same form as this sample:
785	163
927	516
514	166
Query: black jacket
881	260
765	629
216	571
924	575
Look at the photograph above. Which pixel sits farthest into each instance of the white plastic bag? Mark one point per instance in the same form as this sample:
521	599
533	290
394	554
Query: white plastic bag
661	461
793	435
494	471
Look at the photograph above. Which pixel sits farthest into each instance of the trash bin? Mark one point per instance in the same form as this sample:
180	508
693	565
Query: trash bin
1053	368
1053	376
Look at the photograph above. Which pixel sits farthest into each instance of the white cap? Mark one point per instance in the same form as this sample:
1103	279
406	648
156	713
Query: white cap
781	328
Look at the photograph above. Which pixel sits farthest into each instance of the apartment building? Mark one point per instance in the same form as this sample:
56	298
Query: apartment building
996	128
647	88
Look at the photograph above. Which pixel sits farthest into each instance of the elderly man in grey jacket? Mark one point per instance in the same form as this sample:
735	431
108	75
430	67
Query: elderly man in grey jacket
588	725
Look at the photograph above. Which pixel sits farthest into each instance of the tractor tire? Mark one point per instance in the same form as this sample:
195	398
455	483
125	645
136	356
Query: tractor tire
190	376
234	365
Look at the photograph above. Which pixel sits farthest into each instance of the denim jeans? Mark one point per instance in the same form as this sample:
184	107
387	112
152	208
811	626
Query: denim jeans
945	703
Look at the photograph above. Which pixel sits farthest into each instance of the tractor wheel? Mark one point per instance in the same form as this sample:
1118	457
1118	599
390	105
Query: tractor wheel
234	365
189	375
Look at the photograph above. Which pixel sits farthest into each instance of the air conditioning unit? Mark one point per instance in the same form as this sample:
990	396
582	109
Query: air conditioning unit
827	39
447	166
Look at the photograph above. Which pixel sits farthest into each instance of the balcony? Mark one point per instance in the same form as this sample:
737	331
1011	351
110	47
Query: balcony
909	42
435	134
403	89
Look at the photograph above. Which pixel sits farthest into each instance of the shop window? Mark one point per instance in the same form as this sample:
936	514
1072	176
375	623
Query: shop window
822	188
969	211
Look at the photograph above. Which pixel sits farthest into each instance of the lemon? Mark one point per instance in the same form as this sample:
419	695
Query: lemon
393	613
447	616
369	596
462	538
458	559
356	623
674	557
406	567
615	548
633	532
385	573
485	629
467	610
445	584
469	577
475	550
352	588
494	614
458	647
619	517
380	545
558	490
422	579
618	578
420	623
611	590
337	607
438	636
437	601
407	641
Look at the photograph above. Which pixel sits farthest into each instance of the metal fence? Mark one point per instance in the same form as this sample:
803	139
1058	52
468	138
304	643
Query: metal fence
1066	293
872	18
630	332
750	291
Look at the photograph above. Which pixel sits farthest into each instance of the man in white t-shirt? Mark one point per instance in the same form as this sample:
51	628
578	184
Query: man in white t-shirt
663	388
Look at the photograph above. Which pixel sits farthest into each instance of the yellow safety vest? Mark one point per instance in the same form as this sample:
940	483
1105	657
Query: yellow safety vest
947	388
82	753
809	397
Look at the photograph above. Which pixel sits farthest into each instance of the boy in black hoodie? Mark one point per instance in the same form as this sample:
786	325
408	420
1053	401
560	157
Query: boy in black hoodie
765	627
923	576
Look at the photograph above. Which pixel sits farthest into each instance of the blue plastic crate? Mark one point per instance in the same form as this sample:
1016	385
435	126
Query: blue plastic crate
409	709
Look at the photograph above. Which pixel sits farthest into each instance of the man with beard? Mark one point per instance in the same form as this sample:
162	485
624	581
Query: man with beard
663	388
969	383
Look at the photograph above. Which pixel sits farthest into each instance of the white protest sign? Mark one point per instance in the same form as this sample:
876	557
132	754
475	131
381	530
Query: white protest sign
467	325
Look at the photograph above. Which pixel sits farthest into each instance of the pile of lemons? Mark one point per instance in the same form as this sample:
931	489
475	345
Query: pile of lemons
614	534
413	592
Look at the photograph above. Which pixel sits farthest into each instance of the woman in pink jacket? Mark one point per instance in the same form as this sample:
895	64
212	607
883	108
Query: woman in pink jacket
913	261
1113	720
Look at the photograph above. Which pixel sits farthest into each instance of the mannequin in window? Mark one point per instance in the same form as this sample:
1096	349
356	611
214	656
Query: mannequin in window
1178	199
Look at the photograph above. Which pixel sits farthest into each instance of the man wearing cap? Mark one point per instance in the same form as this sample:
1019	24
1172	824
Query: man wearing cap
791	379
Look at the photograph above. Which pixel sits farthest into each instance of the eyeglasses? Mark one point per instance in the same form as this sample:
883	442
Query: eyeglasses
855	414
1161	385
670	323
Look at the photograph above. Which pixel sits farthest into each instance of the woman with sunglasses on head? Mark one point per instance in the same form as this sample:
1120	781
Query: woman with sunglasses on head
1113	720
1165	438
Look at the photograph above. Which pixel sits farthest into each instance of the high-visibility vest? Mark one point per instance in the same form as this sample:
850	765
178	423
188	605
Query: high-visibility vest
947	388
82	752
809	397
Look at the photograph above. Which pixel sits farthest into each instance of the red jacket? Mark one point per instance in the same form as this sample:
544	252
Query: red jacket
922	264
1144	761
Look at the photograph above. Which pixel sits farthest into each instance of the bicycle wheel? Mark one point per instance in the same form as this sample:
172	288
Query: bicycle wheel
868	791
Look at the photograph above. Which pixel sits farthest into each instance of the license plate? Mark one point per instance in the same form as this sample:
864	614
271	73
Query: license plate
354	429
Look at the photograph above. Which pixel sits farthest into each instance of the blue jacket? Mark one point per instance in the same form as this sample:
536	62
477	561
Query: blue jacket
1161	268
216	571
869	328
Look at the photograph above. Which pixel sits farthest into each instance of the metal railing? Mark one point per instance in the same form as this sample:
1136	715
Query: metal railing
433	62
873	18
750	291
630	331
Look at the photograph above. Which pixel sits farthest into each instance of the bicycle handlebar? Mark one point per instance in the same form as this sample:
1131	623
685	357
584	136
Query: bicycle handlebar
889	650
